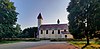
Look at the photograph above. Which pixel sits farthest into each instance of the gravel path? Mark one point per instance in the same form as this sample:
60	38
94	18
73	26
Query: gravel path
38	45
56	46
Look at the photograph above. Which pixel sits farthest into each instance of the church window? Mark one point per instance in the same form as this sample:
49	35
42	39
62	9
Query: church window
41	32
46	31
64	30
53	32
58	31
65	36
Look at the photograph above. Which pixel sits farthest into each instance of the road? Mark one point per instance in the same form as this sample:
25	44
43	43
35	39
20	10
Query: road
26	45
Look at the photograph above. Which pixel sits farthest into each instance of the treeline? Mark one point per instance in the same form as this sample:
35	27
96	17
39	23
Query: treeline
29	33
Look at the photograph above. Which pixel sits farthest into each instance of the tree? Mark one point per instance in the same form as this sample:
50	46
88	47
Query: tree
85	16
29	32
74	10
17	30
8	18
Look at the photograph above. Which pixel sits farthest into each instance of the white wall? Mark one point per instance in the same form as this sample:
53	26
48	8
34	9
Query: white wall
68	36
50	35
39	22
41	35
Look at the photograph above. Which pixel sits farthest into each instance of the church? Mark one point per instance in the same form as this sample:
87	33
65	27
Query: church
52	30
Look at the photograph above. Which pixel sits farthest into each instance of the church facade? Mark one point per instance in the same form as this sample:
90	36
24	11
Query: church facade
52	30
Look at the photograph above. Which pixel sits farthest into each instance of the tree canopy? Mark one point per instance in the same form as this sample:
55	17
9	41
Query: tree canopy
84	18
82	13
8	18
29	32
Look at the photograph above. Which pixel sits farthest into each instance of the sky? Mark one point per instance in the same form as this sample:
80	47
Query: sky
51	10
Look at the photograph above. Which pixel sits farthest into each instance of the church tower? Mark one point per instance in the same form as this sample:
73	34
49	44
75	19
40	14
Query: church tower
39	20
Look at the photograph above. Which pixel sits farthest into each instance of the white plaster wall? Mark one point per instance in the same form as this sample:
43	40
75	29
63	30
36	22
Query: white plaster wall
68	36
46	35
50	35
39	22
41	35
57	35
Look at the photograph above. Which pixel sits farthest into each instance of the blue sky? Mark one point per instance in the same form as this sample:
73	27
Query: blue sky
51	11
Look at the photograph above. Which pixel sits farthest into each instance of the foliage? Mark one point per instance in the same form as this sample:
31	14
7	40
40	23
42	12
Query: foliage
17	30
29	32
8	18
80	44
81	13
73	9
85	15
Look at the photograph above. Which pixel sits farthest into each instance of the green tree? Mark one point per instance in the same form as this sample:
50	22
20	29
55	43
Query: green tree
74	10
8	18
85	15
17	30
29	32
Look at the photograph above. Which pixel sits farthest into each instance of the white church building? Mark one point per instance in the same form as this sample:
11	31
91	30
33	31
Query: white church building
52	30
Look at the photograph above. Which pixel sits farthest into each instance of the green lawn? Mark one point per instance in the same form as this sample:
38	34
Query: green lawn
20	40
93	44
6	42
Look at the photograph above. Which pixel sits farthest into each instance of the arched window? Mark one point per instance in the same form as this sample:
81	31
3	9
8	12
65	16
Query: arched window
65	30
58	31
65	36
46	31
53	32
41	31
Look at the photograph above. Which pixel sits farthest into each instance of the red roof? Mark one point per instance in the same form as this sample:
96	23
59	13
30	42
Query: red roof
65	32
54	26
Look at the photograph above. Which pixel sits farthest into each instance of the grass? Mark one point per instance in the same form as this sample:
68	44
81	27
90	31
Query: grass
80	44
6	42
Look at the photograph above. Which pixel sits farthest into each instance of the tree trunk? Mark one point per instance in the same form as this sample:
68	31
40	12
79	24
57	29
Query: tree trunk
0	39
87	39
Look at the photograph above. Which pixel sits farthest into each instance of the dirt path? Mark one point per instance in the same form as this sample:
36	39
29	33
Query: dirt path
56	46
38	45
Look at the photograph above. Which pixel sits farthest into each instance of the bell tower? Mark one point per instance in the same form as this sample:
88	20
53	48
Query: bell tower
39	20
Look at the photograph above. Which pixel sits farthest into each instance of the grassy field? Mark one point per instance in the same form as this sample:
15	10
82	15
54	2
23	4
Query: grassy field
93	44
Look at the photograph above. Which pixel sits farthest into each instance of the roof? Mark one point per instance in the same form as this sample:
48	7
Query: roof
39	16
54	26
65	32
